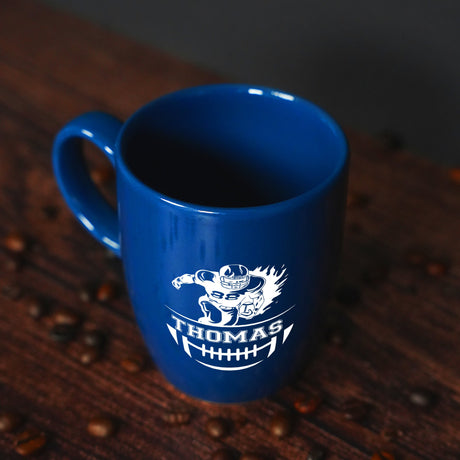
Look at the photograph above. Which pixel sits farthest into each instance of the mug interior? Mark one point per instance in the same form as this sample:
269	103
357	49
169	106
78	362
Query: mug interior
232	146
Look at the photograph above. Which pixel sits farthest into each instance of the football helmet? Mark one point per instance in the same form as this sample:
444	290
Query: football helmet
234	277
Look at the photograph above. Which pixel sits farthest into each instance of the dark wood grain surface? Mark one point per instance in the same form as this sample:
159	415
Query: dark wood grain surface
395	327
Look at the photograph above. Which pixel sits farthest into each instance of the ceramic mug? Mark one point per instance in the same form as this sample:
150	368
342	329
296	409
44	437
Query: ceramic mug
229	223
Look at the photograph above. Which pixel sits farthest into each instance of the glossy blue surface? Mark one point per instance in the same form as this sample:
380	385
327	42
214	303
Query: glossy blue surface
228	299
80	193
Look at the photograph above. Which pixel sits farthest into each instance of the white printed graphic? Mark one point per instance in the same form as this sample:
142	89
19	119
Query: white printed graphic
234	292
233	296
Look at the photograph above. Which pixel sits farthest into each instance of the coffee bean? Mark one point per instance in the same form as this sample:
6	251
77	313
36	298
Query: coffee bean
223	454
15	242
179	417
454	175
307	406
391	140
30	442
94	338
252	456
102	175
90	355
133	363
281	424
9	421
67	317
355	410
357	199
106	292
62	333
436	268
382	455
421	397
348	295
316	453
216	427
13	263
50	211
36	308
101	426
11	291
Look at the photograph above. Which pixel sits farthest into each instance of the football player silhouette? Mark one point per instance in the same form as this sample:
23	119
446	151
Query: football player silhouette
231	293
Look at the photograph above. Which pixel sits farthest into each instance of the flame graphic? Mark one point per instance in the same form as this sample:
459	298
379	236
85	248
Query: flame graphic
274	281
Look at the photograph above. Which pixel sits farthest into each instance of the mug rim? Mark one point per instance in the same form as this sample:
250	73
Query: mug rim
277	206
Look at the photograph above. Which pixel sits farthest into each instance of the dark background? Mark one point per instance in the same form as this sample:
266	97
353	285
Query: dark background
374	65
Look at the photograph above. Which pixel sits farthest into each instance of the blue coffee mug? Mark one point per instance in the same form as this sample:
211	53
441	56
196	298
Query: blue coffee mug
229	224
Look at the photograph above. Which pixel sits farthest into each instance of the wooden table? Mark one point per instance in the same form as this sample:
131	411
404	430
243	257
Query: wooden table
394	339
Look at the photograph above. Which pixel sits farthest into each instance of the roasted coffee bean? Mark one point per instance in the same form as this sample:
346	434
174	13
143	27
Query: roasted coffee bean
382	455
454	175
348	295
216	427
90	355
316	453
102	426
36	307
50	211
421	397
62	333
133	363
30	442
357	199
11	291
436	268
391	140
355	410
66	316
252	456
106	292
178	417
13	263
94	338
9	421
281	424
223	454
307	406
15	242
102	175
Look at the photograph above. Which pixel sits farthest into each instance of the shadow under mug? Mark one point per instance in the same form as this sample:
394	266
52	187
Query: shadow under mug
229	224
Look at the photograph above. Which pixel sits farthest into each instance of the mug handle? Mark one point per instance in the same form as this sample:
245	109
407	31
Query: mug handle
72	175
